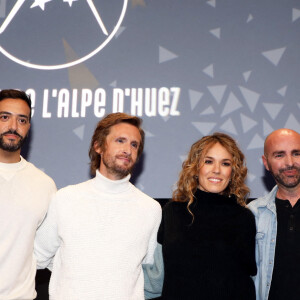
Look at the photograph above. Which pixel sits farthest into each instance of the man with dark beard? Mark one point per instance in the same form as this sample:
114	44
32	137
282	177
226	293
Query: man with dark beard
278	220
101	231
25	193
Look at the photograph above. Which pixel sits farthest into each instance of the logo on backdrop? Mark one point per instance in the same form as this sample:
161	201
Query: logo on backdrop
55	34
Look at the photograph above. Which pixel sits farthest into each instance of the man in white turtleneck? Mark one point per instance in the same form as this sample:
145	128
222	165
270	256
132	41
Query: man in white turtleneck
25	193
97	234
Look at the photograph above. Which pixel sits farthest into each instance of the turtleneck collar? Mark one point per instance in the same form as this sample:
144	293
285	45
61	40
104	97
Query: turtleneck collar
213	198
111	186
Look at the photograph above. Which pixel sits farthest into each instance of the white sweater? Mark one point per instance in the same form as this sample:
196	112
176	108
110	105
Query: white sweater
100	231
25	193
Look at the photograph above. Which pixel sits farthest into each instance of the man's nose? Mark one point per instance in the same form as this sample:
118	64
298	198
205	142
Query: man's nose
289	161
13	123
127	148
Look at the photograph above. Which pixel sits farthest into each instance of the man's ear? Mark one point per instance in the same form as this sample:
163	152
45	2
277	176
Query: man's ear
97	148
265	161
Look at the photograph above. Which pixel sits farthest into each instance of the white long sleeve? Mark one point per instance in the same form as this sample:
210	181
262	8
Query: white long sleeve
101	231
25	195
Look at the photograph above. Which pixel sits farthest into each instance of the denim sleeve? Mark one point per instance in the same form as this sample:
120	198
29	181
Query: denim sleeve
154	275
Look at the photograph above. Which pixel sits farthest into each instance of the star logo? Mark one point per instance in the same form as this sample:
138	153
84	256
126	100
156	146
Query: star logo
40	3
90	17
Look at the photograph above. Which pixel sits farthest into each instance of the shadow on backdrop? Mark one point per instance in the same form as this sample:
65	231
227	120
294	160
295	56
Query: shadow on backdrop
268	181
26	146
137	170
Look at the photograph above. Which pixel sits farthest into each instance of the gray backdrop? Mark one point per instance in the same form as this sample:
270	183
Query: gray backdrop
188	68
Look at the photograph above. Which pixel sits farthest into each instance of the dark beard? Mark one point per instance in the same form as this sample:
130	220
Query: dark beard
9	146
282	181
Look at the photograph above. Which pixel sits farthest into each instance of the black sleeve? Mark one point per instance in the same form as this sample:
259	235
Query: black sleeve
246	241
160	234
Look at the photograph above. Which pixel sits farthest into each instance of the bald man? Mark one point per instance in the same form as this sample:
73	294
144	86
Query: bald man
278	220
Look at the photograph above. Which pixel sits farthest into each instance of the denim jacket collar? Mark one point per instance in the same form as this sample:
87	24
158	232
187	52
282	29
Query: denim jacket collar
268	201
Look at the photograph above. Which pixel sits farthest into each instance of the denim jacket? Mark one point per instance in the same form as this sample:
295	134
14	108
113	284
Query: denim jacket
264	210
154	275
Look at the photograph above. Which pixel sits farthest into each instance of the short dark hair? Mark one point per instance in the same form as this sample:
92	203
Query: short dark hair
103	129
16	94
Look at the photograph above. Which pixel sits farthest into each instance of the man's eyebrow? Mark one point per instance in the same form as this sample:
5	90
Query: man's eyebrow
278	152
9	113
295	150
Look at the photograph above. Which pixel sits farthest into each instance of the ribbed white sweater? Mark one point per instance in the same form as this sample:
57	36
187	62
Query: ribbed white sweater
100	231
25	193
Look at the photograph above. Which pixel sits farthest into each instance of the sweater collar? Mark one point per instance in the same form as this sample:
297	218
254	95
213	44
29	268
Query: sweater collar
213	198
13	166
111	186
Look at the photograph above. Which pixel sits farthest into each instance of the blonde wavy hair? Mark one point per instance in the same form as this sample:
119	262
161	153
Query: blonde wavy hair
188	177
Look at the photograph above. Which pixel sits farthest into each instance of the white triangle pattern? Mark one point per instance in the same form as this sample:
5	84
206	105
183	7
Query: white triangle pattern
251	97
211	3
292	123
166	55
217	91
250	18
256	142
195	97
267	128
231	105
148	134
209	70
275	55
229	127
295	14
247	123
79	131
246	75
216	32
210	110
273	109
204	127
282	91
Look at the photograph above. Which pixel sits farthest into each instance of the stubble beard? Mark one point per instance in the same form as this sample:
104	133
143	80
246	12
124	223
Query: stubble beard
285	181
115	169
11	146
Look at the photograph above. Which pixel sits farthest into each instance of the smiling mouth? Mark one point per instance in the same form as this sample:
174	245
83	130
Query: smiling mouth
290	173
215	180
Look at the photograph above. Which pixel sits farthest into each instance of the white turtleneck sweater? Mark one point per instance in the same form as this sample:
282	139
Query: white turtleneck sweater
99	232
25	193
